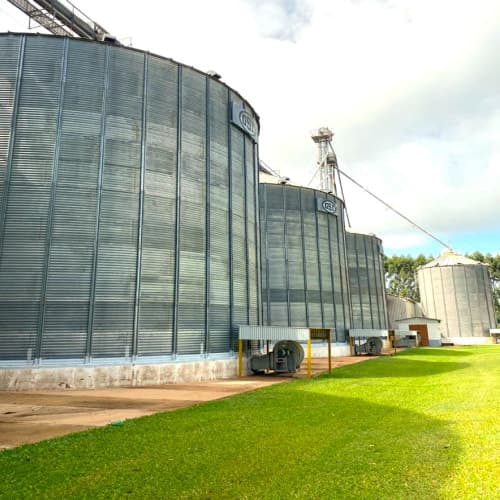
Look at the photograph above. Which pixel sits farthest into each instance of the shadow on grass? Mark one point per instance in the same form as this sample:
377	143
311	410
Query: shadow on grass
436	351
279	442
398	367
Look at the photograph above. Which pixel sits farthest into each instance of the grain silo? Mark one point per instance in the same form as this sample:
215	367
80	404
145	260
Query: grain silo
128	198
401	308
303	253
366	281
457	291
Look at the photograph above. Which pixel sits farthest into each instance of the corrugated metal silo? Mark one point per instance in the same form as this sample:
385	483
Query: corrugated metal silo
366	281
128	197
401	308
303	254
457	290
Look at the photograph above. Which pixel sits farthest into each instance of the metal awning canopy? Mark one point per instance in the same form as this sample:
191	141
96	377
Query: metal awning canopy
273	333
277	333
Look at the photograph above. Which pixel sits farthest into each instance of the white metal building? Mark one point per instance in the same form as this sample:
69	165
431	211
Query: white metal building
428	328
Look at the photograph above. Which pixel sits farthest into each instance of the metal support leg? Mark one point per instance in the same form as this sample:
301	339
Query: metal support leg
309	357
329	353
240	358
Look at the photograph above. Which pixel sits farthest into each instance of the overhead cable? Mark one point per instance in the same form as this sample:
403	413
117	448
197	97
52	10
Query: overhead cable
413	223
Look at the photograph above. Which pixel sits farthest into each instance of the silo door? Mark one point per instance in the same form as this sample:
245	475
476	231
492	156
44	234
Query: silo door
424	334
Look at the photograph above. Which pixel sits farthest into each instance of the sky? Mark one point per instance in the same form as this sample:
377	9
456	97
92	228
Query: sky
410	88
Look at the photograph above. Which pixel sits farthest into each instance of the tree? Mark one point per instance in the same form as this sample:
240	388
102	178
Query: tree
400	274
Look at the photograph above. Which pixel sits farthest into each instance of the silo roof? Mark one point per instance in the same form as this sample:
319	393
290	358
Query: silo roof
371	235
406	299
451	258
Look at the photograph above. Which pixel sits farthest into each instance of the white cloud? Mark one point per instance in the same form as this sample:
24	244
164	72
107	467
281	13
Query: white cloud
281	19
403	242
412	90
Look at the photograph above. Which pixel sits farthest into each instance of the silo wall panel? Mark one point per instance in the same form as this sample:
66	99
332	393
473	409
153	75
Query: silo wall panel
129	203
11	61
340	271
16	311
252	233
219	247
366	281
239	231
26	219
192	250
158	232
294	245
312	259
116	266
76	169
303	265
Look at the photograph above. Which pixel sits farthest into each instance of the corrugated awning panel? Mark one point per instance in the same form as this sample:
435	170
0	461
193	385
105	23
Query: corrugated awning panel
274	333
367	332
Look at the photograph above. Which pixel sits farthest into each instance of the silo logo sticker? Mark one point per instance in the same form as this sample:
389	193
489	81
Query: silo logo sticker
247	122
244	120
328	206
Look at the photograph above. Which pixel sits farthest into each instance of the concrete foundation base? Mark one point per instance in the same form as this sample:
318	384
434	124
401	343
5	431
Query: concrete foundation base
44	378
129	375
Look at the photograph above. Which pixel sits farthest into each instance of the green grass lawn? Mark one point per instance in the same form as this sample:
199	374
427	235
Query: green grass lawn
421	424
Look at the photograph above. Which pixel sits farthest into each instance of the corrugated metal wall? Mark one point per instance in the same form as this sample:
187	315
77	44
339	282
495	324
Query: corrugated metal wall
304	262
128	222
460	296
366	281
401	308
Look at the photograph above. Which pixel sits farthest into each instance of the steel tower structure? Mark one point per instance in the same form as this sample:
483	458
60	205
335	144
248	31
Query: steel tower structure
327	160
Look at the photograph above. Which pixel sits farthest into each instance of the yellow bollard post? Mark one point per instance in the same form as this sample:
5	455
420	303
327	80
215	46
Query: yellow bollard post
240	358
309	357
329	352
